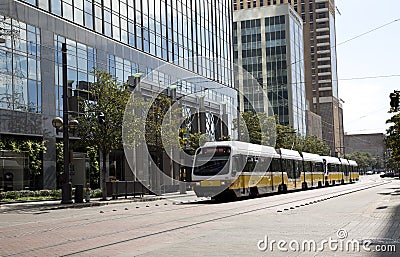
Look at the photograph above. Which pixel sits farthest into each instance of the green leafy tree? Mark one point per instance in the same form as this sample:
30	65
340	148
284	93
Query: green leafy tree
189	141
110	98
256	128
153	123
34	148
376	163
286	137
162	128
59	159
264	128
391	164
363	159
311	144
392	141
93	156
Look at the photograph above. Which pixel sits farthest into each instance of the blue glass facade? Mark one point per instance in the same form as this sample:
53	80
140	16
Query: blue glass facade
176	31
20	76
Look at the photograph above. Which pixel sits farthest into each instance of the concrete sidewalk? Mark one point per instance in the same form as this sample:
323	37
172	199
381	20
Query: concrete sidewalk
56	204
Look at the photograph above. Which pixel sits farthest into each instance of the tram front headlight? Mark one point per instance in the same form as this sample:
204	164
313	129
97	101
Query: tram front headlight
222	183
197	184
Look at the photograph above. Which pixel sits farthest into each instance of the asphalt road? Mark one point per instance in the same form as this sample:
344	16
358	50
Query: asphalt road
366	214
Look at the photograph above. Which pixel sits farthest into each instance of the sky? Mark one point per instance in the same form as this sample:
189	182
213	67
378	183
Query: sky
366	101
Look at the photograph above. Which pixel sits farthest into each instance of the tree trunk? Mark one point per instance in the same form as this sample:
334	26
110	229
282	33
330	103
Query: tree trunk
103	175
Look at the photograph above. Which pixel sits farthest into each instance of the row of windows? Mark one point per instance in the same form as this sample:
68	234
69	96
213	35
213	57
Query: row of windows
80	76
20	73
252	67
169	29
252	60
275	66
241	4
249	24
251	38
275	35
81	61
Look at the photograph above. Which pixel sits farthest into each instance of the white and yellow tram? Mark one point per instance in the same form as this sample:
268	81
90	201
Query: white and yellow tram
234	168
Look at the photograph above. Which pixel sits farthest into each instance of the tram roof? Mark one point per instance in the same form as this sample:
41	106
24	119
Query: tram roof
312	157
352	163
290	154
246	148
344	161
330	159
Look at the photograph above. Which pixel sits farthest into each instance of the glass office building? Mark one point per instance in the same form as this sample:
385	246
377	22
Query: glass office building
268	43
320	63
321	68
121	36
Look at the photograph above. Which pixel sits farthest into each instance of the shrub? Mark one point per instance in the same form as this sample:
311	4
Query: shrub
26	193
45	192
2	195
12	195
56	193
95	193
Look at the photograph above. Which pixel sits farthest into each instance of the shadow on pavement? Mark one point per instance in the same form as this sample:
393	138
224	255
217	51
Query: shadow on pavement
389	244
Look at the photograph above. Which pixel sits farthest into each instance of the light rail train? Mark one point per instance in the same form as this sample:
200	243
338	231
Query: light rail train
236	169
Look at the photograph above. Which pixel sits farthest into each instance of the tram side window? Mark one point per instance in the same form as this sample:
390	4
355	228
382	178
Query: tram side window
262	164
298	168
318	167
307	166
290	168
250	163
333	167
275	165
346	170
238	163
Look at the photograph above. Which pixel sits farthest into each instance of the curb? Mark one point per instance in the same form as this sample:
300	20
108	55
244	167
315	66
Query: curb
55	204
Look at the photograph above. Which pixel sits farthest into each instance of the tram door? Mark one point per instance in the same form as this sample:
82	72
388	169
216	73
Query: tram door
293	169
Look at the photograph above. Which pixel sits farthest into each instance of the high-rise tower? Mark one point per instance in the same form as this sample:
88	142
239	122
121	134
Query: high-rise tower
268	43
320	62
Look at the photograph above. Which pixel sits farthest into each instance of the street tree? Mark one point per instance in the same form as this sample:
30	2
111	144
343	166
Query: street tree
189	141
107	97
312	144
286	137
391	164
392	141
363	159
264	128
256	128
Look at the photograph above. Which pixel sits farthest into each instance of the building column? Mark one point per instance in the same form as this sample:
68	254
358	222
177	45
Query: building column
49	175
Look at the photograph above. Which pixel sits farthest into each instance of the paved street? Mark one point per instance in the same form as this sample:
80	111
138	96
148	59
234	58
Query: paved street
367	212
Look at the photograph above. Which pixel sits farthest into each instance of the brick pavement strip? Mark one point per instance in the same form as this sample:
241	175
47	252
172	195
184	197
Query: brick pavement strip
224	229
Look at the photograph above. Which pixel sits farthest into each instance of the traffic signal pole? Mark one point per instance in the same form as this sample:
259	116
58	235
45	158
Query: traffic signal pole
394	100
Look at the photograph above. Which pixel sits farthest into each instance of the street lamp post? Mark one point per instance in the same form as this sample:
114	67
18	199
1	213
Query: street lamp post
67	186
64	124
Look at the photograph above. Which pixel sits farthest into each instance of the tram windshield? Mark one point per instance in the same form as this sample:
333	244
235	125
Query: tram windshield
211	161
